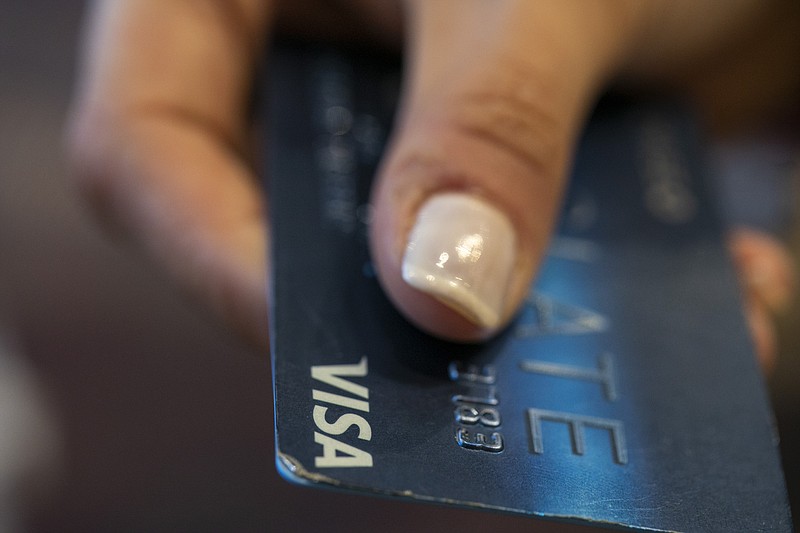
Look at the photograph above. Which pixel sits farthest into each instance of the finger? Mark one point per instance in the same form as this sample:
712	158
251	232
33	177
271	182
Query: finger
467	197
767	276
765	268
157	140
763	333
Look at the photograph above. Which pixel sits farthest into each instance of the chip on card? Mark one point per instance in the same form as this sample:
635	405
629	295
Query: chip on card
625	394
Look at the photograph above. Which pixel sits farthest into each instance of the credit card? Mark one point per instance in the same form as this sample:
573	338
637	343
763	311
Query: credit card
624	395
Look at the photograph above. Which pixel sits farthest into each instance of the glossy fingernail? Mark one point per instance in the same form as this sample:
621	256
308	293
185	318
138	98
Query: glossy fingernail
462	251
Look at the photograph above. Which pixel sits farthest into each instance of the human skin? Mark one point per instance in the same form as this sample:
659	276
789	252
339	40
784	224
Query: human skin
495	93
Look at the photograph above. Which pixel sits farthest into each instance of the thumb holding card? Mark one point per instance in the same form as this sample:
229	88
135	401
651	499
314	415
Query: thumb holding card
468	195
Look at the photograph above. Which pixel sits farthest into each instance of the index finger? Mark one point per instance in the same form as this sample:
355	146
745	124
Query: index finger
157	136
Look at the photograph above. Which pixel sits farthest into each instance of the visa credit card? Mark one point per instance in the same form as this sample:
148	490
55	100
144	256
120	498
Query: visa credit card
624	395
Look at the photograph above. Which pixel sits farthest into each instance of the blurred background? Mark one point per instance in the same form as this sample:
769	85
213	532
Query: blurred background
122	407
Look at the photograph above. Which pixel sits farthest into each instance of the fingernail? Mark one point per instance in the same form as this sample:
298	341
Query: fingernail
462	251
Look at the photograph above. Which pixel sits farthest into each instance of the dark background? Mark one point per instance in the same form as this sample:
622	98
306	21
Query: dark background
155	418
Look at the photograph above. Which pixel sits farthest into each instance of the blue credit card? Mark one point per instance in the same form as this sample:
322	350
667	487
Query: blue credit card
625	394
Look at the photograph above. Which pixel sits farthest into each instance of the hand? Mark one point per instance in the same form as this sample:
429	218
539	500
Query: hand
496	92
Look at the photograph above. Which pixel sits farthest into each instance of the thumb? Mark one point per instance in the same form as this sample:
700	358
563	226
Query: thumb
466	199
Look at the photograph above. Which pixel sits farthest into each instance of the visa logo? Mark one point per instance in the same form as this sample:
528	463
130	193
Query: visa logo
336	453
